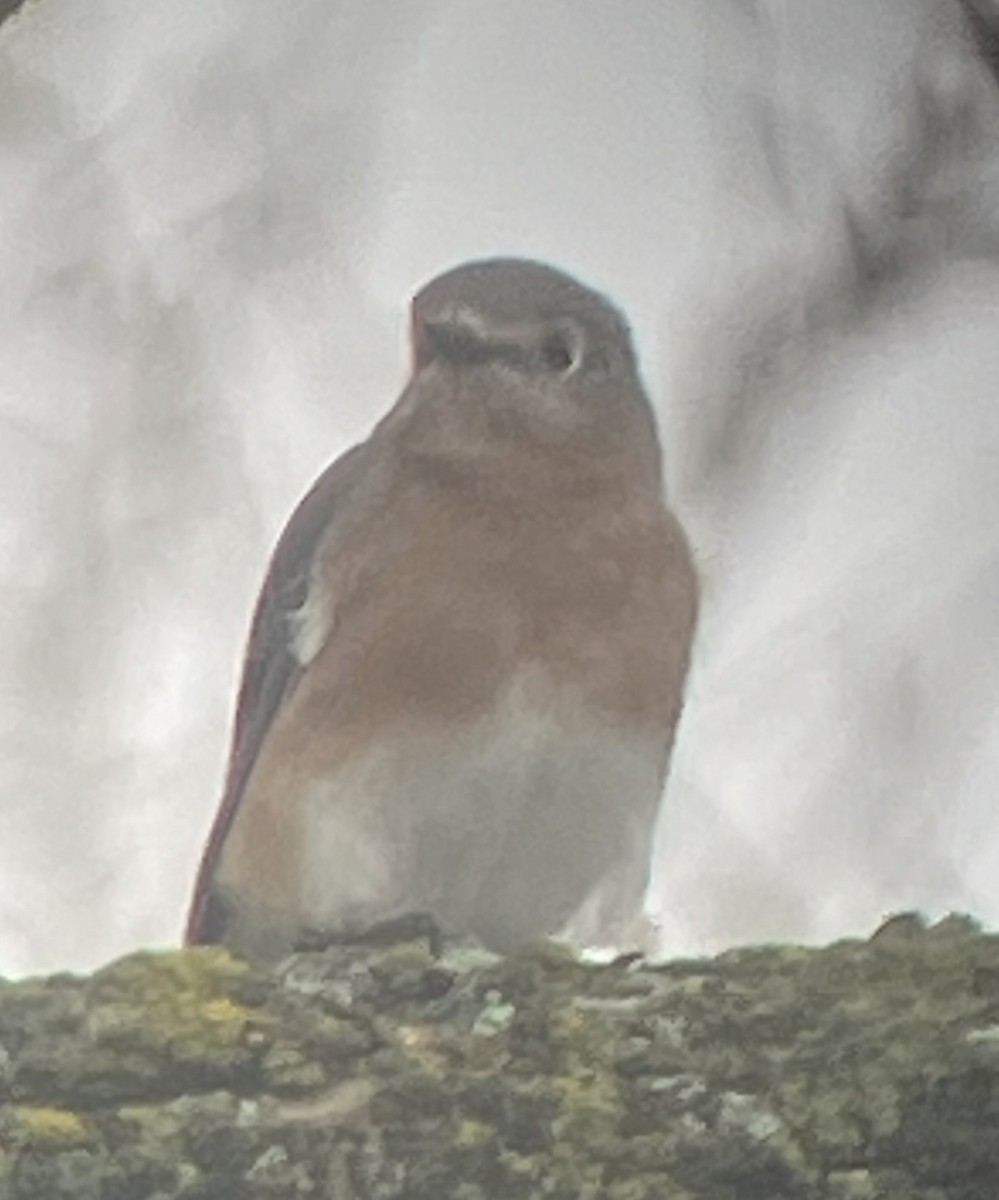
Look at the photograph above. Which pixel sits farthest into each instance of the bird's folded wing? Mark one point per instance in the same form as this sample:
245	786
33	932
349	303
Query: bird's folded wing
274	657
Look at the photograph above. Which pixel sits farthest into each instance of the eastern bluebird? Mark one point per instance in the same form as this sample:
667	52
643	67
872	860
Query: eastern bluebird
468	656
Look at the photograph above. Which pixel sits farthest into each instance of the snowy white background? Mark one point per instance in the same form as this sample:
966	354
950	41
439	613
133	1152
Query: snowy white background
212	214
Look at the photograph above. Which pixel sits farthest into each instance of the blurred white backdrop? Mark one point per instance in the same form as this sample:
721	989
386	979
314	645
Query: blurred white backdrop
212	214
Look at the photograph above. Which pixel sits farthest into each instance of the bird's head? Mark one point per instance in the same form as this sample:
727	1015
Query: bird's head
537	350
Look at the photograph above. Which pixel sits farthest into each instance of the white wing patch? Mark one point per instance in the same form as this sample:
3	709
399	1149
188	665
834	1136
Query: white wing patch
310	625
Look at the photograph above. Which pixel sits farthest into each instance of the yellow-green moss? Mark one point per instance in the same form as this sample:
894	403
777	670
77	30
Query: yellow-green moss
53	1128
178	998
206	971
473	1133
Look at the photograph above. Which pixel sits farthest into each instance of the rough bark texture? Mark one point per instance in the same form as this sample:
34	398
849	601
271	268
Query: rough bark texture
858	1071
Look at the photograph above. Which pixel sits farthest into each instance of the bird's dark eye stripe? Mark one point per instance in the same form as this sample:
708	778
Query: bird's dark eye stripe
459	344
557	352
557	348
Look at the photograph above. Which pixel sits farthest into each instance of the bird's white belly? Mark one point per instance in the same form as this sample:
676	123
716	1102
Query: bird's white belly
505	828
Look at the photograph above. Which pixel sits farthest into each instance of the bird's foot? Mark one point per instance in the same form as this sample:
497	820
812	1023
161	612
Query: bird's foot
407	927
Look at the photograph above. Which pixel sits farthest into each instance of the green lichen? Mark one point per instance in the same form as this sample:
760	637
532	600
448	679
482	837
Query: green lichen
53	1128
172	1016
473	1133
846	1073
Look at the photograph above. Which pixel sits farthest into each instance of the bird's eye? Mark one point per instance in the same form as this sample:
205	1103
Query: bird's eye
561	351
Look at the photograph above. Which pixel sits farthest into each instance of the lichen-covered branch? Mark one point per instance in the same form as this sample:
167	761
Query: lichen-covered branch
857	1071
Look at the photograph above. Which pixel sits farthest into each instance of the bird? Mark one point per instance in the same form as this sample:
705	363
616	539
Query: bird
469	654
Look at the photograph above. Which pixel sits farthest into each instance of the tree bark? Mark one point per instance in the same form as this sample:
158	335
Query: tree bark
861	1070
